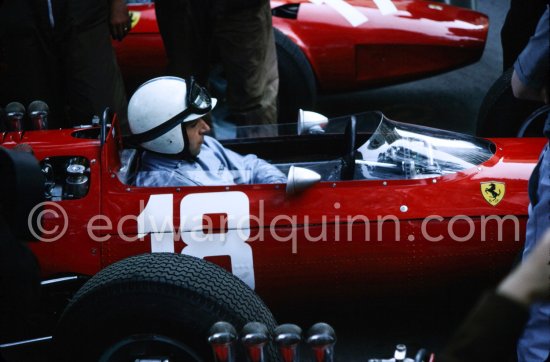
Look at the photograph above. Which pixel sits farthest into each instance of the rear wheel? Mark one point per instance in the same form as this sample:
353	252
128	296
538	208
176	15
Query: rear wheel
470	4
501	114
297	88
155	305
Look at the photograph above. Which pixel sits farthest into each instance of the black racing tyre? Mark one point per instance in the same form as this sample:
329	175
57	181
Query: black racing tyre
501	114
297	86
155	305
469	4
535	123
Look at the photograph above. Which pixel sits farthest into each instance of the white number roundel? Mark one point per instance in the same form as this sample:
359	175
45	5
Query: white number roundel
157	219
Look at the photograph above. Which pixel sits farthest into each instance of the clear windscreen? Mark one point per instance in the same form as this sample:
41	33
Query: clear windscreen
405	151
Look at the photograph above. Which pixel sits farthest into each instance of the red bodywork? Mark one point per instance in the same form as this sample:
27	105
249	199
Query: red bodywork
422	38
348	262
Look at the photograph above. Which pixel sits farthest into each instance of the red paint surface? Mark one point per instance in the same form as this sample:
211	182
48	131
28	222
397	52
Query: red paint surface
421	39
377	257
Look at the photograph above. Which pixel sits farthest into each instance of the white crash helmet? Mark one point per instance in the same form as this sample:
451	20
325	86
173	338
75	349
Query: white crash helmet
160	106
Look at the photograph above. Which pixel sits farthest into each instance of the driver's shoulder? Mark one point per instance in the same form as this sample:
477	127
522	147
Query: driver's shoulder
152	161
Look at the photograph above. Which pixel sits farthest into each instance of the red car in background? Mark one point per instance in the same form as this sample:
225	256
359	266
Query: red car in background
336	46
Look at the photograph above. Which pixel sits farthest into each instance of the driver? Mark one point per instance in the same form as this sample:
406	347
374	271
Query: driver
165	118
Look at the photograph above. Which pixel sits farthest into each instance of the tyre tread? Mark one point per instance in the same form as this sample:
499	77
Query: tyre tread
201	286
167	269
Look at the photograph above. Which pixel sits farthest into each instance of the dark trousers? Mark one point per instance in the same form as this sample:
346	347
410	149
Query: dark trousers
74	71
196	35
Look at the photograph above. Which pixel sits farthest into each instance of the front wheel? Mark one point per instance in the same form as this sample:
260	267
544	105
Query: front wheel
155	305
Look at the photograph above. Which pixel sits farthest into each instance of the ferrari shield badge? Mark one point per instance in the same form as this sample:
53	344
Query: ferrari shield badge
493	191
134	17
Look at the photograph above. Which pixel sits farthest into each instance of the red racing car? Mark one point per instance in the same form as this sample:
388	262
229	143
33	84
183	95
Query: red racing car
371	207
335	46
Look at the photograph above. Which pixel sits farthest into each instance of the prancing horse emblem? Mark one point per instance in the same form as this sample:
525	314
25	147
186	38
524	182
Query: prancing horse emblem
493	191
134	18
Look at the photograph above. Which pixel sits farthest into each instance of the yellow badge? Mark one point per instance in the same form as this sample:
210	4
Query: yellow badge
493	191
134	16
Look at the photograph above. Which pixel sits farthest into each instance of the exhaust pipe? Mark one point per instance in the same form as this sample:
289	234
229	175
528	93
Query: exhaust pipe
254	337
321	338
15	112
288	337
38	114
222	339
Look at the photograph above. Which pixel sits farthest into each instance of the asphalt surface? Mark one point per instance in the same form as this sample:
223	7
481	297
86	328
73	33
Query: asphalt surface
370	328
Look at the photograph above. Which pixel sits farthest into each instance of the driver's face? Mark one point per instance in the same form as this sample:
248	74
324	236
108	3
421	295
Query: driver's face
195	133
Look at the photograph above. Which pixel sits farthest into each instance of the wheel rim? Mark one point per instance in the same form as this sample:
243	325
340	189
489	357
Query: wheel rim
537	118
150	347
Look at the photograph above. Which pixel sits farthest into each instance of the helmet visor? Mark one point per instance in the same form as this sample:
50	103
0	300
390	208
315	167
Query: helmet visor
198	98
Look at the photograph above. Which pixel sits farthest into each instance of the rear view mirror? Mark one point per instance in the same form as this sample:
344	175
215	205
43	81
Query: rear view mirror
311	122
300	179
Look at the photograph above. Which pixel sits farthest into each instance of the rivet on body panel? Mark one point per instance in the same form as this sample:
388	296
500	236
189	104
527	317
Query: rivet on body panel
404	208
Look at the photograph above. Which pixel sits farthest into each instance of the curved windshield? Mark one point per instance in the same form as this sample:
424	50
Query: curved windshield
405	151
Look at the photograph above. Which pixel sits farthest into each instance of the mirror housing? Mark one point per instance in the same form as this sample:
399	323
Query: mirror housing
311	122
300	179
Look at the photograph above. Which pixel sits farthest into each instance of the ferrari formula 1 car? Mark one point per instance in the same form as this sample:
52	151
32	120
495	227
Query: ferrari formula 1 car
335	46
371	207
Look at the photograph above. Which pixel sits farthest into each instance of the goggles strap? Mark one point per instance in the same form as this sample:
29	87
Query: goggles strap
164	127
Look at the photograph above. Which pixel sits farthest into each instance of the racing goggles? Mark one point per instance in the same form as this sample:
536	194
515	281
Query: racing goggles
198	102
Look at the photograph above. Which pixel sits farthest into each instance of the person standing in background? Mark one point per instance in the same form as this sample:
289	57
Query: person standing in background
520	23
239	33
60	52
531	80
